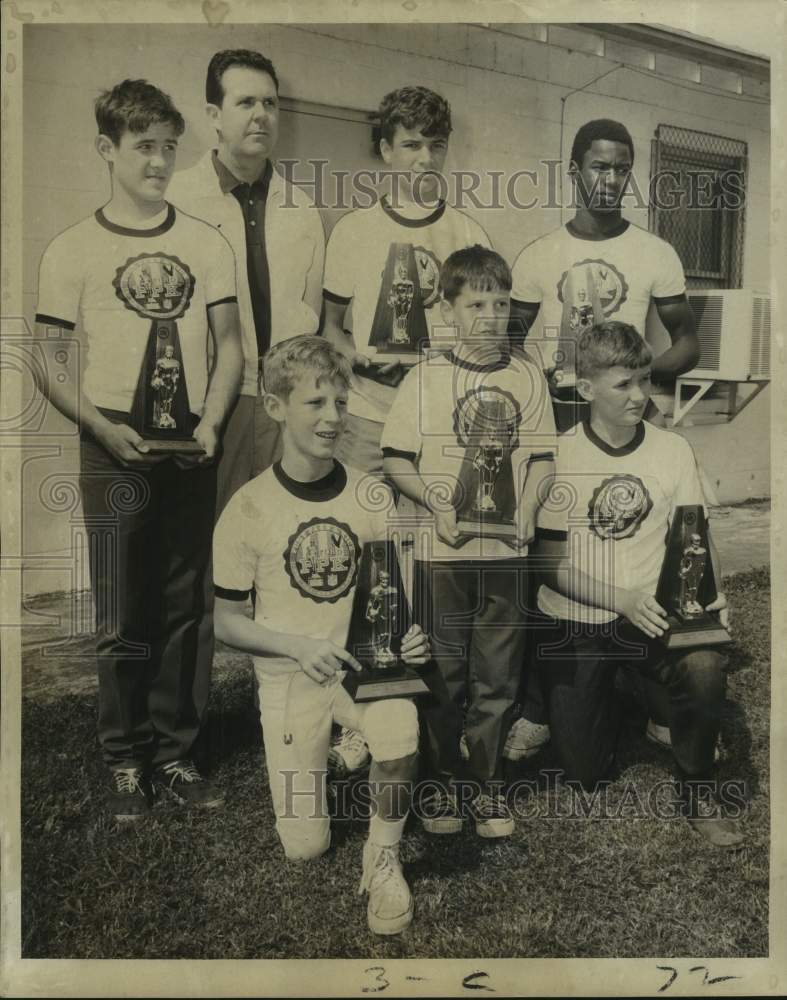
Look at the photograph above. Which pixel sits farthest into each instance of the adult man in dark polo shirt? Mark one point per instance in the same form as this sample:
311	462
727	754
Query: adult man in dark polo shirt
275	232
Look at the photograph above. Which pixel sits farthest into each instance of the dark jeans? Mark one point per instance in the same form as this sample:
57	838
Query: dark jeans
149	533
474	613
577	665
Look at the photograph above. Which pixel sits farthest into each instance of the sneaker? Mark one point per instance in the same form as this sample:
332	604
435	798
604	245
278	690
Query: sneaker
525	738
492	816
660	735
440	813
705	815
390	907
181	780
347	753
464	749
129	793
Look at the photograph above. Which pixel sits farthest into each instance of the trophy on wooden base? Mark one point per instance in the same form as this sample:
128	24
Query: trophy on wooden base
485	499
159	287
687	585
380	619
160	412
399	329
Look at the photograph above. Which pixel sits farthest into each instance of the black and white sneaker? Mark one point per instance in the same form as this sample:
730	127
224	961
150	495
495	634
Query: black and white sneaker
492	816
129	794
181	781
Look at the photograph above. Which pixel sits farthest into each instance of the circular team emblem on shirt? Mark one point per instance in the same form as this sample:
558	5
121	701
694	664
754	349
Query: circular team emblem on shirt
321	559
487	412
590	283
618	507
155	285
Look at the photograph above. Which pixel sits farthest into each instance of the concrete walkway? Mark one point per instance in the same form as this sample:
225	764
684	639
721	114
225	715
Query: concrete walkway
742	535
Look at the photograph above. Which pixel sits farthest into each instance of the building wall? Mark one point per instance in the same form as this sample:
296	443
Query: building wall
505	87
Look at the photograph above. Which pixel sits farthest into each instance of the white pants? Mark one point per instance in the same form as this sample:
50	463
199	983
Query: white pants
297	715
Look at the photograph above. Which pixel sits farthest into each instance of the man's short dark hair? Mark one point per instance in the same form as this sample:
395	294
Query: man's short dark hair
133	106
599	128
226	59
609	344
475	267
414	107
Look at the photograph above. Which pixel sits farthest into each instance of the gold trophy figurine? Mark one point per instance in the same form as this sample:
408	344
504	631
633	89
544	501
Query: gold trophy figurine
381	611
166	376
691	571
400	299
488	461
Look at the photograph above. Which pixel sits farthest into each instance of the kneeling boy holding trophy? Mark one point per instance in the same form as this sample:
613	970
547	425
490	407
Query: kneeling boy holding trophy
623	536
295	534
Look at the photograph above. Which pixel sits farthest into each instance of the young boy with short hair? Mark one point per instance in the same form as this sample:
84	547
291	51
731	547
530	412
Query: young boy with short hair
266	539
470	596
603	530
411	214
134	267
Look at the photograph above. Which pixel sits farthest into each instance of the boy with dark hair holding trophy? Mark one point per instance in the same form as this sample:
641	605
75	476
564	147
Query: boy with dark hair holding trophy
621	538
295	535
382	267
149	287
470	440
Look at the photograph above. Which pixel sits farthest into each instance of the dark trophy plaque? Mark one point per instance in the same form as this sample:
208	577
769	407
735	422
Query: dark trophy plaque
686	584
485	499
159	287
380	619
160	411
399	329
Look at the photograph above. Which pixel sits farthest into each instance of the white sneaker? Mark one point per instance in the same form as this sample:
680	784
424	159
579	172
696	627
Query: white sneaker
390	907
492	816
347	753
660	735
464	749
525	738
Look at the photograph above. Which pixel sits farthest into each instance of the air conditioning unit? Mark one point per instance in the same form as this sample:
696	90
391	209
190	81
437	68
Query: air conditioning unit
734	330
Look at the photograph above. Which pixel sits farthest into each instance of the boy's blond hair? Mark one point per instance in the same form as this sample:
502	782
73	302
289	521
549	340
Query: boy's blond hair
608	344
287	361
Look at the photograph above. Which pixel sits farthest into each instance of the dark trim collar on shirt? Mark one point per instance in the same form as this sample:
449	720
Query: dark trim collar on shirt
598	238
403	220
228	181
165	226
495	366
318	491
626	449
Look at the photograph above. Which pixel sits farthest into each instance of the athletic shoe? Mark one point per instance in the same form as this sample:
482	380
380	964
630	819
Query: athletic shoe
705	814
440	813
129	794
492	816
525	738
181	780
347	753
390	907
660	735
464	749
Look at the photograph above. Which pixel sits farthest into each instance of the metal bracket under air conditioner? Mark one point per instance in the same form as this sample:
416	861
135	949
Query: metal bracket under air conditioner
703	385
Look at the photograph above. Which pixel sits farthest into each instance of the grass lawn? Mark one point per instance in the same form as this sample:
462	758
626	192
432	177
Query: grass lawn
183	884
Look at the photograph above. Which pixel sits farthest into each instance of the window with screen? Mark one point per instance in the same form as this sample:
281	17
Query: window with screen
698	203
